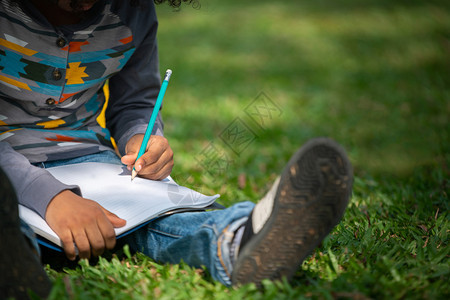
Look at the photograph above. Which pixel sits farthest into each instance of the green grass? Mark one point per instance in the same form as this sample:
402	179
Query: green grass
373	75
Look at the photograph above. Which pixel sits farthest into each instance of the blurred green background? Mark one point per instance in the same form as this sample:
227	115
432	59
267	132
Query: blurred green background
373	75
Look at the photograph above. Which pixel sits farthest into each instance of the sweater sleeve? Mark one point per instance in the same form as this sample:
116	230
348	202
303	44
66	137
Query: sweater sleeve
35	187
133	91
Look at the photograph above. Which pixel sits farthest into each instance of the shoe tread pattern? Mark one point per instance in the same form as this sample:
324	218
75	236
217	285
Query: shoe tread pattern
312	198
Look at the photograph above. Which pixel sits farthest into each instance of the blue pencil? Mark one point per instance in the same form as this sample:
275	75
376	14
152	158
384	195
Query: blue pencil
152	121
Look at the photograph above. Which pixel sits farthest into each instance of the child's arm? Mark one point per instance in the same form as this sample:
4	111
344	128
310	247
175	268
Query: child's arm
73	218
35	187
134	89
133	94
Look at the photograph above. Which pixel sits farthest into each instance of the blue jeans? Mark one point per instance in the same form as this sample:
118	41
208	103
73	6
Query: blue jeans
197	238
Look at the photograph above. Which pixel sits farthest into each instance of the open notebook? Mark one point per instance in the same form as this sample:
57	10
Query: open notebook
138	201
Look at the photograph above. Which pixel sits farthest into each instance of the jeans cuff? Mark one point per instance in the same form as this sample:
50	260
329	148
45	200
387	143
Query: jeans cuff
223	262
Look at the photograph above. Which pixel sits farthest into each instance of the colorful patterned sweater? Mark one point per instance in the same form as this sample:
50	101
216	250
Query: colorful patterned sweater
51	92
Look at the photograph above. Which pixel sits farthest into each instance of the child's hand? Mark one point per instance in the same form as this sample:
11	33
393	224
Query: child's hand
82	222
156	163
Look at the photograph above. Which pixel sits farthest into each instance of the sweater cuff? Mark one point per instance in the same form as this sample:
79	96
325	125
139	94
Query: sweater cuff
39	193
137	129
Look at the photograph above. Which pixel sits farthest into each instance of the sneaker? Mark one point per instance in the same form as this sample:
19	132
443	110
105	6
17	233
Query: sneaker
21	273
299	211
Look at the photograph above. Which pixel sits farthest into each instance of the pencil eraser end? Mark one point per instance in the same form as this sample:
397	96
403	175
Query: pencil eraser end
168	74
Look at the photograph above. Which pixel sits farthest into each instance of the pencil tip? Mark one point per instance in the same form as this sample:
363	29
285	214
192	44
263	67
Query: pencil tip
133	174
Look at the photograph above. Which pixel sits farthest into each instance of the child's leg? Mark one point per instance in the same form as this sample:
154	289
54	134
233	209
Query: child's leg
197	238
272	239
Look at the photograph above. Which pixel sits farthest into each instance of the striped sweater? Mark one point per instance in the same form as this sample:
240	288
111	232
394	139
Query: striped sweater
51	88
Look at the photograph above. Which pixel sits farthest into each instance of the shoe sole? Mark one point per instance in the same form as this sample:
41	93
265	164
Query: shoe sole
311	198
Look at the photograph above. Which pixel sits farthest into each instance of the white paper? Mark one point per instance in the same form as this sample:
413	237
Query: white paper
110	185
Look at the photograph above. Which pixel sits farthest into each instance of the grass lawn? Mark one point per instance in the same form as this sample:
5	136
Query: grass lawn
373	75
